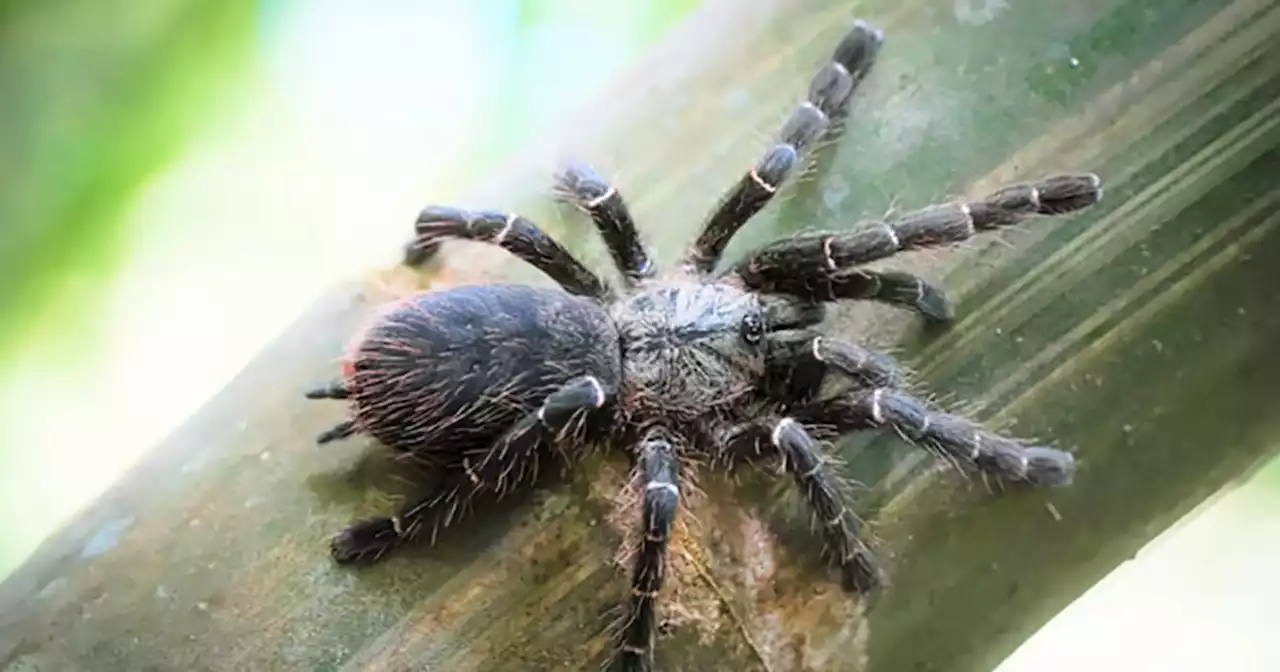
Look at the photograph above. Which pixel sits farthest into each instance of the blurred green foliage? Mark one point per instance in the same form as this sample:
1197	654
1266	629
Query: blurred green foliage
98	97
101	95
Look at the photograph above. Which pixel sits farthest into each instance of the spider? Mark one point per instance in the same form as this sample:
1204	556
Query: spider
693	361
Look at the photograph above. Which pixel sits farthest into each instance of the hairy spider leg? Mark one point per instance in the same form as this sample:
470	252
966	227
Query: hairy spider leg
589	191
514	234
418	253
799	362
814	475
823	266
895	288
828	97
660	471
964	443
495	471
840	528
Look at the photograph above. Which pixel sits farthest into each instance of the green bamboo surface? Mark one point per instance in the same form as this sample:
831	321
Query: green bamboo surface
1136	334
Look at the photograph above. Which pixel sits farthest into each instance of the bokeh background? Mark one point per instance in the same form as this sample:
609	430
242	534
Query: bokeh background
179	180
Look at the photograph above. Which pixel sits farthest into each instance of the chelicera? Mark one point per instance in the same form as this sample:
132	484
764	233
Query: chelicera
696	360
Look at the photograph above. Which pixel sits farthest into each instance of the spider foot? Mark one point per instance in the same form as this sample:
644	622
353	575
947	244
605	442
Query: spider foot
935	305
581	185
417	254
861	573
1044	467
364	541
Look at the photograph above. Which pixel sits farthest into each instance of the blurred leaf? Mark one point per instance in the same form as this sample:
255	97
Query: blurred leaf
90	113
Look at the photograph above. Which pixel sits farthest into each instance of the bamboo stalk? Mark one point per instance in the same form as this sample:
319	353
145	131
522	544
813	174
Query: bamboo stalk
1138	334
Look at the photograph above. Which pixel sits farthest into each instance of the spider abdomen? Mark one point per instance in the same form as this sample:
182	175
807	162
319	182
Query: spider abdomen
444	373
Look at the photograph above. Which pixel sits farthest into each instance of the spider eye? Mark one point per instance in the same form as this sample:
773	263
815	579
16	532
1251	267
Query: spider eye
752	329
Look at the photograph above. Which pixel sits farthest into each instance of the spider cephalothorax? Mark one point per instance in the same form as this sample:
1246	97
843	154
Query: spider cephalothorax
695	361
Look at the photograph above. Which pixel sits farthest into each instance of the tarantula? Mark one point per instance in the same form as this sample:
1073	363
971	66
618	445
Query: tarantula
482	381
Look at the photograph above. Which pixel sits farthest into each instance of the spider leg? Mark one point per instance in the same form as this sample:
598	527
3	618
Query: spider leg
803	459
822	266
967	444
514	234
827	99
891	287
799	362
899	289
493	471
660	471
417	255
590	192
